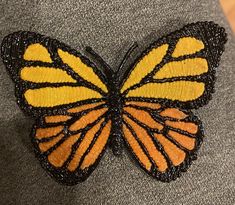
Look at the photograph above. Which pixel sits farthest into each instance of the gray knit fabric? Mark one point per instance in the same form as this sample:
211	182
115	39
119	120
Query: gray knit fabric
110	27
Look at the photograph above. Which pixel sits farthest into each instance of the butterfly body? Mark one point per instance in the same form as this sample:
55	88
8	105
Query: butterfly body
81	110
115	102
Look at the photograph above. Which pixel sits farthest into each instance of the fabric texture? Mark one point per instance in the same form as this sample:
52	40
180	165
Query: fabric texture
110	27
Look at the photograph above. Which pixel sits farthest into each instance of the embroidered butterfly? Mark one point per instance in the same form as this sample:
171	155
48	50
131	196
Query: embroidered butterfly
81	109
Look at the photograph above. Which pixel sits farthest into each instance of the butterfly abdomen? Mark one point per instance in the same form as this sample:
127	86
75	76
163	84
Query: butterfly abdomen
115	103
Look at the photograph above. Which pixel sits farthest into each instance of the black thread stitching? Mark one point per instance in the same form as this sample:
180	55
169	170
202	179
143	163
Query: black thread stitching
13	46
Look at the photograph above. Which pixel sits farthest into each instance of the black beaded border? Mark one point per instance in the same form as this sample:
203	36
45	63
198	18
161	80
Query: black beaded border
14	44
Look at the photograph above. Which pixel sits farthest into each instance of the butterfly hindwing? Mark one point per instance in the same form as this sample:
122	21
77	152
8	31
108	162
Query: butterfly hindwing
70	146
163	140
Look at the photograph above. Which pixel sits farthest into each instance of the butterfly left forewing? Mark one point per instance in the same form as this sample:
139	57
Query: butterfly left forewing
48	74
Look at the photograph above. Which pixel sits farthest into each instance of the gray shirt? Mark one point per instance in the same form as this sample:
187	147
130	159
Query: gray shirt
110	27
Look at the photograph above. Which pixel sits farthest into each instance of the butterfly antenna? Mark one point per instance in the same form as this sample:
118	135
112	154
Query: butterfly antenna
127	55
99	59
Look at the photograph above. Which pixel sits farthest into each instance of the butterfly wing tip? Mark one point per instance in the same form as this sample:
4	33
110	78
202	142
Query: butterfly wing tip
174	173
